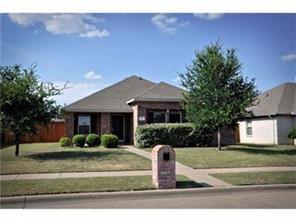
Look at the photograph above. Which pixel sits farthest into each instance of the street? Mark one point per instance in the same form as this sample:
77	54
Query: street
270	198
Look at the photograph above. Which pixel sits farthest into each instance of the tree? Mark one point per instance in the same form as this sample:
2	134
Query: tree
25	101
217	93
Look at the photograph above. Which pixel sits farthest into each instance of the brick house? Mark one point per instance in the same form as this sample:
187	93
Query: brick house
123	106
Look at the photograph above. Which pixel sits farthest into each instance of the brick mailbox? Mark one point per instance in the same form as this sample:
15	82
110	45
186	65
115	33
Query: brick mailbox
164	167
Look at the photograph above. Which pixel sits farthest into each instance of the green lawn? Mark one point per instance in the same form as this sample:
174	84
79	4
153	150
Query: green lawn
76	185
49	157
236	156
257	178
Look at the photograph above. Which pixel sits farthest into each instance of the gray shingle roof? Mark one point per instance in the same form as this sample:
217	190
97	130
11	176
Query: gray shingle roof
115	97
160	92
280	100
112	98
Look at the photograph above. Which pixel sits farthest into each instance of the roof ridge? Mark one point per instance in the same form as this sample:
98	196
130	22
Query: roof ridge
147	90
170	85
108	87
158	84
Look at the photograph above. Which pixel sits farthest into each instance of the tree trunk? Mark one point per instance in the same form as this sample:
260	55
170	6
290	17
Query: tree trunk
219	138
17	144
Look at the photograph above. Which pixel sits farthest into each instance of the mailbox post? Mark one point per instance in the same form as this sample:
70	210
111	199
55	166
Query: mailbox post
163	167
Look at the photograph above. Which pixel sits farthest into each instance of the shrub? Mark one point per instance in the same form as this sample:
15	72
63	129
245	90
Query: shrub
93	140
65	141
79	140
109	140
174	134
292	134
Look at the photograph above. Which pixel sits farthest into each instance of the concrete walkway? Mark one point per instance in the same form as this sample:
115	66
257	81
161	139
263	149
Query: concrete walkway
200	177
246	169
73	175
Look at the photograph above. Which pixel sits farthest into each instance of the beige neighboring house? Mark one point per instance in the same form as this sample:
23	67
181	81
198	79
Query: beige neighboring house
273	117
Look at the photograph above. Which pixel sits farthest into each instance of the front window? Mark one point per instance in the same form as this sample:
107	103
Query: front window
165	116
83	124
156	117
175	117
249	128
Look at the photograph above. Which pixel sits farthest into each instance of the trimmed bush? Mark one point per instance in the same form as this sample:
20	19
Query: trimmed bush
93	140
65	141
292	134
174	134
79	140
109	140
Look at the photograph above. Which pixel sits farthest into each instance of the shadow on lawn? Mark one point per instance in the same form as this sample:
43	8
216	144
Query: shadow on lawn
63	155
187	184
263	151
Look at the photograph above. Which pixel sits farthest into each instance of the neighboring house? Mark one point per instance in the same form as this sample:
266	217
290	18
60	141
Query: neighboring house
121	107
273	117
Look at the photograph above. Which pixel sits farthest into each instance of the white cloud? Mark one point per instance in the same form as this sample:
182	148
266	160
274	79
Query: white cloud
82	25
168	24
96	33
208	16
28	19
289	57
91	75
75	91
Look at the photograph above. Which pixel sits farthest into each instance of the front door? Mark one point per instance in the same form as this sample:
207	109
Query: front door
118	126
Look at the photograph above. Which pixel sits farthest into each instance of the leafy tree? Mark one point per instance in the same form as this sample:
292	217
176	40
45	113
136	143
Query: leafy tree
217	93
25	101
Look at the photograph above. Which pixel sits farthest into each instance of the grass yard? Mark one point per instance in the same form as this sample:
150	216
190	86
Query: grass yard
236	156
76	185
257	178
49	158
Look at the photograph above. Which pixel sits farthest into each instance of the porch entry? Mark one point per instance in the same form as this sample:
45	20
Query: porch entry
121	127
118	126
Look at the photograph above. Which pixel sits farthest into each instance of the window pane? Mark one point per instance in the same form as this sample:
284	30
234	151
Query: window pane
83	129
249	131
83	124
150	118
159	117
84	120
174	118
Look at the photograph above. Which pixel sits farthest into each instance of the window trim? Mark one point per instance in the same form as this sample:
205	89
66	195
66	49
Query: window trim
173	112
251	127
89	129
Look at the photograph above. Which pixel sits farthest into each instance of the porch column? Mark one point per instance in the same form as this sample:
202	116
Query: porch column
69	124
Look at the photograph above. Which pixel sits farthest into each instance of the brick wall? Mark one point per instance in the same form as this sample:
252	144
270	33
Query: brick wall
227	136
105	123
163	171
69	124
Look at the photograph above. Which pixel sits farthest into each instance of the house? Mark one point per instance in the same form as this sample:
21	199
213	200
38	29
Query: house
274	115
121	107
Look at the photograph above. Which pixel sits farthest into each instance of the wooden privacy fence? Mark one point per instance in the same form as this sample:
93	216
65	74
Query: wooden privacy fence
51	132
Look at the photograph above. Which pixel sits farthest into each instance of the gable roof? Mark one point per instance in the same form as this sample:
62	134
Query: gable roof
112	98
280	100
160	92
116	98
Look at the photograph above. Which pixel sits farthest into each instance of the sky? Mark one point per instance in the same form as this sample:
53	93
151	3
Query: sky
92	51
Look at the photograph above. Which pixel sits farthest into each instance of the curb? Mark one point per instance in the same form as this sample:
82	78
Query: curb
144	193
